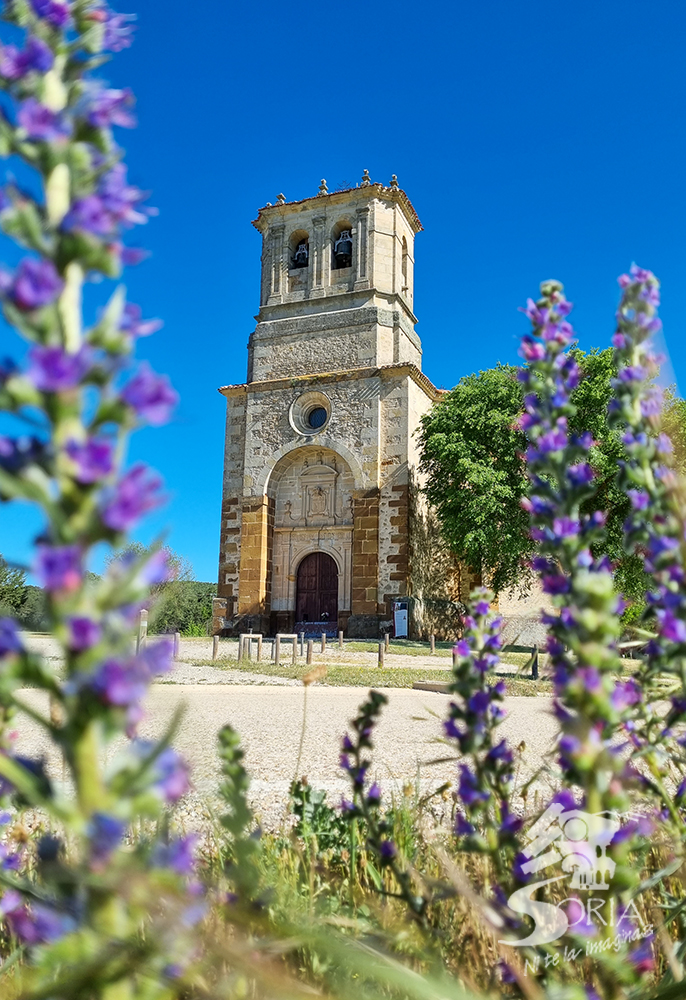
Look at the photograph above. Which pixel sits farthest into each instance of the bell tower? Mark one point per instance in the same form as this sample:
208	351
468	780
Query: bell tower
337	283
320	450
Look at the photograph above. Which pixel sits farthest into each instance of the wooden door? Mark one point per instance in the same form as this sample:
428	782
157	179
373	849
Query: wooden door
317	589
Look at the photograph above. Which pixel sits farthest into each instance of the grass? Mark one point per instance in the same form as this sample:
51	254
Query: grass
351	675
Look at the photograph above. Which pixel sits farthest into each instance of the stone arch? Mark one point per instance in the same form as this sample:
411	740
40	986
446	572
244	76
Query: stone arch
265	483
342	226
298	237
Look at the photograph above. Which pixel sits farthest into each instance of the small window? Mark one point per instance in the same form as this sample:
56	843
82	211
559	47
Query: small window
317	417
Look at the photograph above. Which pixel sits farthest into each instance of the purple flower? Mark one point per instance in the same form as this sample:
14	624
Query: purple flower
479	702
36	284
468	789
55	12
40	123
118	32
374	795
555	584
157	569
482	608
105	834
462	648
625	694
121	683
565	527
93	457
671	627
642	958
35	925
120	198
136	493
387	850
151	396
10	641
58	567
89	215
178	856
132	323
109	107
462	827
580	474
171	775
15	64
639	499
83	633
52	369
500	752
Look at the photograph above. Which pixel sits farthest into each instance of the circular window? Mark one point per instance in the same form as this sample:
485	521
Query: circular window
310	413
316	418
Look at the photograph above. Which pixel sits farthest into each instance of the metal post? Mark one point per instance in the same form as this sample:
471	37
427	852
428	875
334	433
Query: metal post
277	650
340	640
177	644
433	644
310	650
215	646
302	643
382	649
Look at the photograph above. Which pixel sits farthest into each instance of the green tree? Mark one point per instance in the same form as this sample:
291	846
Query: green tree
12	588
472	449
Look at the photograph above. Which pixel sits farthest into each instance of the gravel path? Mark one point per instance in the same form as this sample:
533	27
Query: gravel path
270	718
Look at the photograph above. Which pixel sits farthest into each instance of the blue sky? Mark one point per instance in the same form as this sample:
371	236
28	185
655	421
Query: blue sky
534	139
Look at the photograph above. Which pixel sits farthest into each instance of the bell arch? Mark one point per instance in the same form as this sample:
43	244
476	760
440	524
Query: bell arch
298	249
342	245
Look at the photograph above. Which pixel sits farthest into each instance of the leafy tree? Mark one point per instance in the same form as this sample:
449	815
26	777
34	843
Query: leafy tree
12	588
182	604
472	453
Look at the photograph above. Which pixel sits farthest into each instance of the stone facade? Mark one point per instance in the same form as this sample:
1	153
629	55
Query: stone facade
321	454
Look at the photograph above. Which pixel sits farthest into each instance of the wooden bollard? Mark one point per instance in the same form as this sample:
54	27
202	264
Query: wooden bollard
340	640
294	644
310	650
142	629
277	650
433	644
302	643
215	646
177	644
534	664
259	648
323	642
387	640
455	658
382	649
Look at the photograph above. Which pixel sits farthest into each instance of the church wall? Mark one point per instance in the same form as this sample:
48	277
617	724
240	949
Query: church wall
232	493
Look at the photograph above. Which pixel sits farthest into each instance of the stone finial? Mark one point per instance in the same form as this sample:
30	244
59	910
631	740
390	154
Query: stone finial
366	179
394	183
269	204
323	189
281	199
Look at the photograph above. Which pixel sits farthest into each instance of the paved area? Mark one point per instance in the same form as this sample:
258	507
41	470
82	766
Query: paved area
270	720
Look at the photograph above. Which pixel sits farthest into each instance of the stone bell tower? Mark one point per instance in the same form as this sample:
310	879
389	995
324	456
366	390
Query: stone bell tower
320	453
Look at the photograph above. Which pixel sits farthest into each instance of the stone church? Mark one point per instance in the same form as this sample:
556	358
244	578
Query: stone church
322	524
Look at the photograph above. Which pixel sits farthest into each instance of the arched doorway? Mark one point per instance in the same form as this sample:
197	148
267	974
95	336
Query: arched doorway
317	589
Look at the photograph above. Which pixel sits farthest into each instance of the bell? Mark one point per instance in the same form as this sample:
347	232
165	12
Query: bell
343	249
301	255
